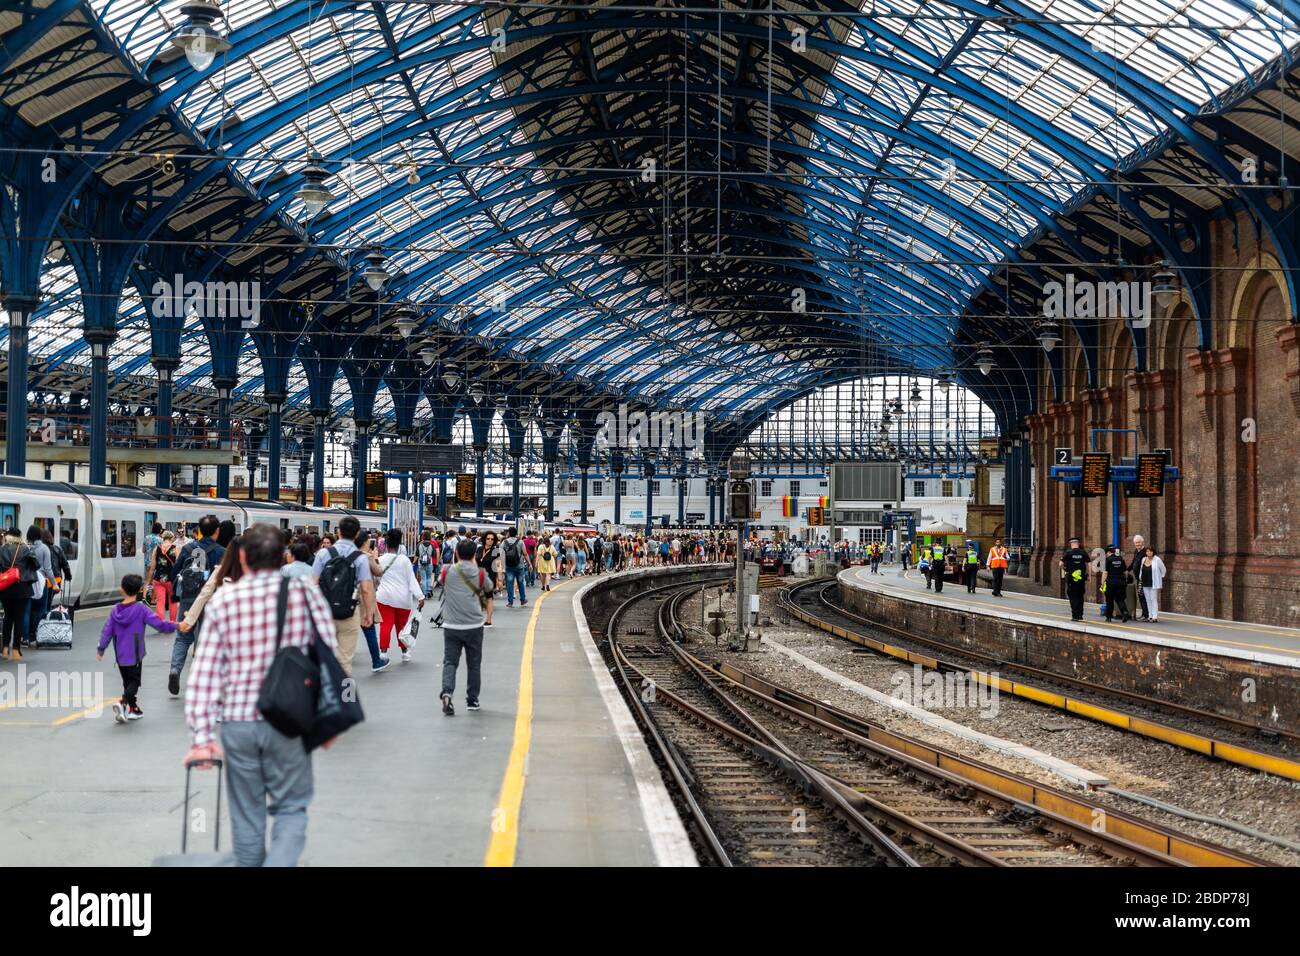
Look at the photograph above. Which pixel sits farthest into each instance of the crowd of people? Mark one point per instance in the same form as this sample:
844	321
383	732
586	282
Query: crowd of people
233	601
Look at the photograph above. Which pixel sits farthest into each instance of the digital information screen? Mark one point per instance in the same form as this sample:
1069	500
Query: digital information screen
465	487
1150	481
376	487
1095	475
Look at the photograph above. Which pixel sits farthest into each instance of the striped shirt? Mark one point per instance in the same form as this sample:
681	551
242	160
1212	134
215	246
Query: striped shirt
238	643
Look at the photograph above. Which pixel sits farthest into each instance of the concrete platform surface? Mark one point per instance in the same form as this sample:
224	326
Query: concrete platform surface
545	774
1256	642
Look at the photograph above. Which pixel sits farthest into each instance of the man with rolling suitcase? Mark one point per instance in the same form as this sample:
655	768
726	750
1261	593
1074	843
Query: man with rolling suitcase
267	772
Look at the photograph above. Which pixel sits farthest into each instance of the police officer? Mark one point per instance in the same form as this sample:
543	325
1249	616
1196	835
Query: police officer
925	565
936	566
1074	568
971	566
1116	586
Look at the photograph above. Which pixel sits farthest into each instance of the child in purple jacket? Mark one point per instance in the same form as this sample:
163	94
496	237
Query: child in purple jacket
125	628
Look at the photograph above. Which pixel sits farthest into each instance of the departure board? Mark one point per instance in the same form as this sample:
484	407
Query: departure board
1095	475
375	487
1150	482
466	485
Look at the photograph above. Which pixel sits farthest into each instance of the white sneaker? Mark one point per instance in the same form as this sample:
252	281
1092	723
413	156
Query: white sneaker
119	712
406	657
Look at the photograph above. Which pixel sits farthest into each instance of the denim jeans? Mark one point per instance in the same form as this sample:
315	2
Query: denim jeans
372	644
514	576
530	575
581	567
181	643
426	578
471	641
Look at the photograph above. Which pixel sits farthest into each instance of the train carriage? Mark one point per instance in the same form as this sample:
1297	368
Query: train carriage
101	528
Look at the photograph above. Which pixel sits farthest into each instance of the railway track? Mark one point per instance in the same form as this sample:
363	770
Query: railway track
1203	732
739	749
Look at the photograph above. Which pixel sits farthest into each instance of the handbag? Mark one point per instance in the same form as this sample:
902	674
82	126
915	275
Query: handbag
482	595
338	707
10	575
288	697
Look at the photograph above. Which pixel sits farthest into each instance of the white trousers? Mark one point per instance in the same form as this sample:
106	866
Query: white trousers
1153	602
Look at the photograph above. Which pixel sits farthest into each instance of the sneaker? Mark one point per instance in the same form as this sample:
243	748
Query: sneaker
471	705
447	709
134	713
523	603
406	657
174	684
382	665
119	712
510	604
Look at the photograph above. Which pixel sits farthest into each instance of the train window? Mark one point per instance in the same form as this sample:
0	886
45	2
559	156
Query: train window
69	537
45	524
150	519
284	524
128	539
108	539
8	516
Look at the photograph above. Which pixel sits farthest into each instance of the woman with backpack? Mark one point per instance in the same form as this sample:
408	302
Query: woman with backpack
20	568
159	575
545	562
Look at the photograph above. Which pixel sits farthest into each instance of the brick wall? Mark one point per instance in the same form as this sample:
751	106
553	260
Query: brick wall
1228	531
1205	681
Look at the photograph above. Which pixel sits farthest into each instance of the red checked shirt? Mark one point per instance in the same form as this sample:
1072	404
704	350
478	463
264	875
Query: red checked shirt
238	641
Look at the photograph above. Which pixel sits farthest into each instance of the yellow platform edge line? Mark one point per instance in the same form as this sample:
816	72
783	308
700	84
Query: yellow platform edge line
505	818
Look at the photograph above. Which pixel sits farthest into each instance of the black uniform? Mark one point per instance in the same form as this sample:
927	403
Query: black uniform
1116	586
1135	569
937	558
971	570
1076	576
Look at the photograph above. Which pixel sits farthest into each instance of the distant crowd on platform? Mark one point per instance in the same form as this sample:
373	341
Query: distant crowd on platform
246	608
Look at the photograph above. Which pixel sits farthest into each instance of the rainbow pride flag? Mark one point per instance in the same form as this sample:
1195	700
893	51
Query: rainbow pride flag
789	506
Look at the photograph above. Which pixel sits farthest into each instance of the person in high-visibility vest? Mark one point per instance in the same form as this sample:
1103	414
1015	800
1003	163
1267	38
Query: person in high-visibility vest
1074	569
936	566
998	556
925	565
971	566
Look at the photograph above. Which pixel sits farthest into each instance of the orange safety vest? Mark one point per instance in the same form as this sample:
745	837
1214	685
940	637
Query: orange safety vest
998	558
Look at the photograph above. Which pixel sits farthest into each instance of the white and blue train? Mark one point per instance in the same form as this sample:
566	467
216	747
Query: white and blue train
102	527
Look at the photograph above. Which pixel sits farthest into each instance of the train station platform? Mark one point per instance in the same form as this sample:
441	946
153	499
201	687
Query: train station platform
1239	639
551	772
1248	673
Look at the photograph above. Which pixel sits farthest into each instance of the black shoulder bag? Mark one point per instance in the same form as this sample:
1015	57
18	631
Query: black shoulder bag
290	689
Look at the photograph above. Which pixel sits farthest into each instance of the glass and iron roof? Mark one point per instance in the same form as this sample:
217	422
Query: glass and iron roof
881	172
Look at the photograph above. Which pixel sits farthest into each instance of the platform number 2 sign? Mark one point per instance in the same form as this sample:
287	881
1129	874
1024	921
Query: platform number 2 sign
1064	456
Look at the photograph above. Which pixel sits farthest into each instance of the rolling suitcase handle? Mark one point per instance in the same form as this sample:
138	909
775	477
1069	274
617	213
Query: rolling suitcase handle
185	820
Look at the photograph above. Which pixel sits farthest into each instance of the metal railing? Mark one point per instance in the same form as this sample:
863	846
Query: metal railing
132	431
